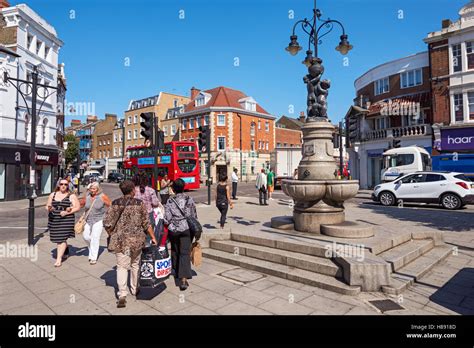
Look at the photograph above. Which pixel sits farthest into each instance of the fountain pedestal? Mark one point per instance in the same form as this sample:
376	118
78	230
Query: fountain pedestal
318	196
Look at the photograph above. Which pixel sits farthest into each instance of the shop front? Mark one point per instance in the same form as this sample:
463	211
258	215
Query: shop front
15	167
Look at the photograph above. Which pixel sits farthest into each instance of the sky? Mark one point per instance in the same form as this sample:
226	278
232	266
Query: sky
116	50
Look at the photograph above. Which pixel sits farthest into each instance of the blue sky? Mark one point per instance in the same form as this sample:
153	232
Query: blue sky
170	54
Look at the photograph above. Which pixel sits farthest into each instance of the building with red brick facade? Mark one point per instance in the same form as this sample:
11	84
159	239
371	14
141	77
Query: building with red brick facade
242	132
451	52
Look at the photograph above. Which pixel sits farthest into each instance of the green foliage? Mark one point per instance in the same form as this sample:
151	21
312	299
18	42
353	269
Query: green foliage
72	148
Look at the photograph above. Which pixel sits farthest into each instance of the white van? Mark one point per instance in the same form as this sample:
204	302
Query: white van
404	160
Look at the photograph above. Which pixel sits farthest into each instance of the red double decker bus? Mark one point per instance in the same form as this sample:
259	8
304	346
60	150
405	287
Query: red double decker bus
178	159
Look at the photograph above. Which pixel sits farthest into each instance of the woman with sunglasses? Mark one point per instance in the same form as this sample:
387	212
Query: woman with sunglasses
61	205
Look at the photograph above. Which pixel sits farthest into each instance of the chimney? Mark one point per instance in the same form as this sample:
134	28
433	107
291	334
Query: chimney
4	3
194	92
445	23
302	116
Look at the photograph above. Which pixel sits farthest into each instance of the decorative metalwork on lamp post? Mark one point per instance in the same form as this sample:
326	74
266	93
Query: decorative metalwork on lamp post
34	89
317	88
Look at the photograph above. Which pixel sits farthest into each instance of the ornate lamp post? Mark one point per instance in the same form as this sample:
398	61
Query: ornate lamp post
36	90
318	196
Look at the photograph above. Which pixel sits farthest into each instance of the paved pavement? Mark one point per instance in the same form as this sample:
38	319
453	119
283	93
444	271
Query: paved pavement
33	286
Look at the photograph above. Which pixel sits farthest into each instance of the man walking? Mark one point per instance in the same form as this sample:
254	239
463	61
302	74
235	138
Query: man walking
271	183
261	185
235	180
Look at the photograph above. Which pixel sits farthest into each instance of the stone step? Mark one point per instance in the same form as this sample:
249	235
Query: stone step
398	284
302	261
405	253
422	265
283	241
282	271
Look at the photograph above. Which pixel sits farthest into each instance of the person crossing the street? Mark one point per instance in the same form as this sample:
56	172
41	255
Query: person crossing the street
261	185
235	180
270	183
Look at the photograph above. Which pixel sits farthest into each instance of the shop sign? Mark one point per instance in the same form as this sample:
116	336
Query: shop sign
457	139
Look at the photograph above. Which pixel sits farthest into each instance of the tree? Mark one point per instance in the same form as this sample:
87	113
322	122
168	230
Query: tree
72	148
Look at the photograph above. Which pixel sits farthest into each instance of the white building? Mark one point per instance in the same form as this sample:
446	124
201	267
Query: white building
28	41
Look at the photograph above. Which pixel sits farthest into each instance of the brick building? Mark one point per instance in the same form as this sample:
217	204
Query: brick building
392	104
242	132
102	143
288	131
159	104
451	51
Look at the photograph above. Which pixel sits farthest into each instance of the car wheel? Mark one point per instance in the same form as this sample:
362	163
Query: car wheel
451	201
387	198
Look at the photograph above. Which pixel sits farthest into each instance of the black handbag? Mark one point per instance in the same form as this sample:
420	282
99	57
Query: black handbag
194	225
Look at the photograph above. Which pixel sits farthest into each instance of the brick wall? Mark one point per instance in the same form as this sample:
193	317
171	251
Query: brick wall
7	35
440	68
290	137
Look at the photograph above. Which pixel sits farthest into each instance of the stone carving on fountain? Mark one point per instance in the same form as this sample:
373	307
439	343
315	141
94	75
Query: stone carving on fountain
319	197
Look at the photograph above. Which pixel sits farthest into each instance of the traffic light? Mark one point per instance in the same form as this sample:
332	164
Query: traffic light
147	125
203	140
160	141
352	131
396	143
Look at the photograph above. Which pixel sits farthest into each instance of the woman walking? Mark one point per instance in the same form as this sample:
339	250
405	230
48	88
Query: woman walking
96	203
127	224
61	205
144	192
165	184
179	234
223	199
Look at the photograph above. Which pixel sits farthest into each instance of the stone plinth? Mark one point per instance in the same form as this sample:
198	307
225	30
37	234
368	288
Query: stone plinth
348	229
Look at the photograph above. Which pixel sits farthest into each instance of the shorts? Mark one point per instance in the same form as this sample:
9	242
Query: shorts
270	188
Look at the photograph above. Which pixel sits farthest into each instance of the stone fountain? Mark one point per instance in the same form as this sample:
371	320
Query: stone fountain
319	197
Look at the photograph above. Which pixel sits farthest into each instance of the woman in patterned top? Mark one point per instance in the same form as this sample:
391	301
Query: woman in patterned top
179	234
128	220
145	192
61	205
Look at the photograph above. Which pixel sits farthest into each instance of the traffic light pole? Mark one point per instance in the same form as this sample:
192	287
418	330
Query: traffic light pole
341	159
155	153
208	148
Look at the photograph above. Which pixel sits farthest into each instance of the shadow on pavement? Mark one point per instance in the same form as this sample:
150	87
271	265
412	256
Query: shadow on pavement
443	220
241	221
110	278
458	293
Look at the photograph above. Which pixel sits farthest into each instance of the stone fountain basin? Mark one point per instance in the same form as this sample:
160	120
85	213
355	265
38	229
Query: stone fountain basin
315	190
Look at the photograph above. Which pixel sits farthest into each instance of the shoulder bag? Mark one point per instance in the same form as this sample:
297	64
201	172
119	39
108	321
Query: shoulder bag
194	225
81	223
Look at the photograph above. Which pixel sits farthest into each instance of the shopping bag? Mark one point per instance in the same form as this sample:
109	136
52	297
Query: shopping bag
196	254
155	266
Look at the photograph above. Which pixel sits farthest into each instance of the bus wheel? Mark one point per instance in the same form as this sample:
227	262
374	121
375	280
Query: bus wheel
387	198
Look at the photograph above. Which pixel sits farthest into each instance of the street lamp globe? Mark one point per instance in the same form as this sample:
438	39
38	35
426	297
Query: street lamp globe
294	47
344	46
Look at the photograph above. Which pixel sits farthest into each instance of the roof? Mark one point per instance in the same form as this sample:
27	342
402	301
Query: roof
295	121
223	97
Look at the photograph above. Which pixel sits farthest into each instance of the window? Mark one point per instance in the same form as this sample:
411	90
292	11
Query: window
115	137
198	122
108	153
206	120
120	151
470	97
38	47
278	144
415	178
120	137
46	51
191	123
457	58
267	126
252	145
29	41
135	134
252	128
175	103
470	54
129	120
220	143
129	135
411	78
165	131
259	145
458	108
100	142
115	151
434	177
141	135
399	160
381	86
108	142
135	119
259	125
187	165
100	154
185	124
173	129
200	101
266	145
221	120
380	123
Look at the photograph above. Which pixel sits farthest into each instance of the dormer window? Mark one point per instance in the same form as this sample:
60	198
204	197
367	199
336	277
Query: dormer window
248	104
202	99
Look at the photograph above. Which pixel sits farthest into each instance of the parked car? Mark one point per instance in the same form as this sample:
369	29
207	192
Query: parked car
115	177
91	177
94	172
449	189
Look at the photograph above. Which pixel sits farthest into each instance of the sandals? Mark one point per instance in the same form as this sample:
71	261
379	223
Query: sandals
184	285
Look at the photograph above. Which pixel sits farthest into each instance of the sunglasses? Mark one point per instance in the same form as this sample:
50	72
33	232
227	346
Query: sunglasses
63	184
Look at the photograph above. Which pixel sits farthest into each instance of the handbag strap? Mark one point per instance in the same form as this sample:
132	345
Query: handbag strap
86	214
116	222
181	210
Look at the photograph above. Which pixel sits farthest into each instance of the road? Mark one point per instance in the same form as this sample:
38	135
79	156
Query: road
13	225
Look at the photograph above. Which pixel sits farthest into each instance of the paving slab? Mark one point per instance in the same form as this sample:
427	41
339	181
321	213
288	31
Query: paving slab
250	296
210	300
282	307
241	308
